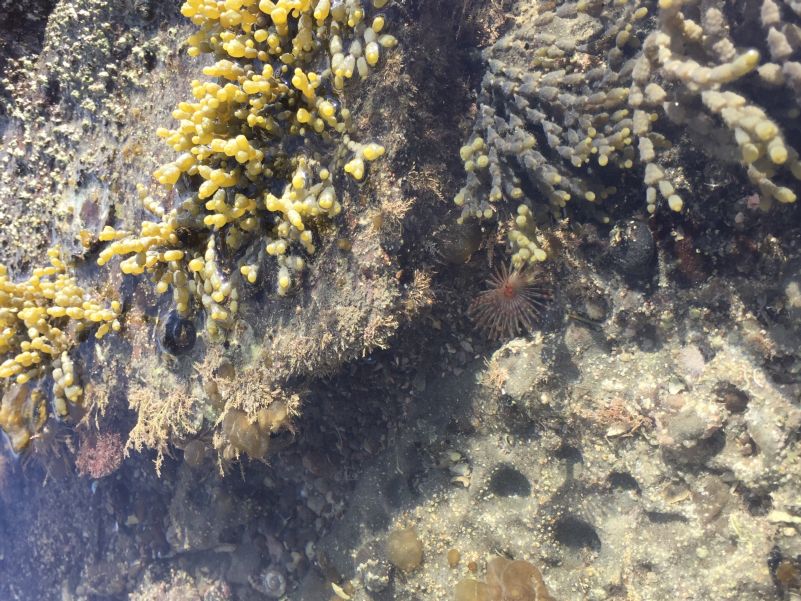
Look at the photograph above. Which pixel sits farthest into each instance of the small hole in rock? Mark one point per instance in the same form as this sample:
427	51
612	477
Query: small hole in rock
508	482
624	481
758	505
734	399
577	534
648	340
659	517
572	454
52	90
150	60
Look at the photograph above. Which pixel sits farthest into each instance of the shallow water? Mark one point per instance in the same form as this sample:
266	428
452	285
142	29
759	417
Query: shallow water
545	346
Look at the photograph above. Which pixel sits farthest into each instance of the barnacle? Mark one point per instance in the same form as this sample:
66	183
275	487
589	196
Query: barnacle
179	334
271	582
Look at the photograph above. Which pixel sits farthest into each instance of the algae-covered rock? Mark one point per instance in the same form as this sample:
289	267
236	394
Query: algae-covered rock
338	294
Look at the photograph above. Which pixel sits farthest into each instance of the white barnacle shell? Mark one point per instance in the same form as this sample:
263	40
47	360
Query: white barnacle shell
273	582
